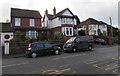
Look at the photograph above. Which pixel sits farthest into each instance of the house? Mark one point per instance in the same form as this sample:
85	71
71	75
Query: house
93	27
28	22
7	33
63	21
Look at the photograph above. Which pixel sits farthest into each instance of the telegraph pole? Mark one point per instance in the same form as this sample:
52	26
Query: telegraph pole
111	27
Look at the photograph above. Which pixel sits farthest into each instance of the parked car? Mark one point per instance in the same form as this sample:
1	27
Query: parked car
100	41
37	48
77	43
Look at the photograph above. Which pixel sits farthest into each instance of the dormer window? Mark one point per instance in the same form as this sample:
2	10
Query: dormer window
17	21
32	22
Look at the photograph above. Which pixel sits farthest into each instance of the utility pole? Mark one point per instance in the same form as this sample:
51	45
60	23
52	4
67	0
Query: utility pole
111	27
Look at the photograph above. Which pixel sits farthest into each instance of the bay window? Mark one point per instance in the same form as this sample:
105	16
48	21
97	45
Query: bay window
67	31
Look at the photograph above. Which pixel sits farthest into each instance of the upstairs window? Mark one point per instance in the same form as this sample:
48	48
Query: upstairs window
32	22
17	21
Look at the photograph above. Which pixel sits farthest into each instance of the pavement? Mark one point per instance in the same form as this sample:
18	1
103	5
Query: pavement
102	60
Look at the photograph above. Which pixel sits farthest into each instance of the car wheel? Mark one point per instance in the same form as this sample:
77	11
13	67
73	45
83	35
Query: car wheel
90	48
74	49
34	55
56	52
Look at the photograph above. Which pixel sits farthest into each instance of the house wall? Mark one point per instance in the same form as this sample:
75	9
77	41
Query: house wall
49	25
56	22
94	27
3	37
67	13
26	22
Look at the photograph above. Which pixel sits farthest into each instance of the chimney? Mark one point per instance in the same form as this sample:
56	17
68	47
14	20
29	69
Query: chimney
46	12
54	11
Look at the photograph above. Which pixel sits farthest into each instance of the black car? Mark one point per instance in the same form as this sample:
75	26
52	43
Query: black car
100	41
78	43
37	48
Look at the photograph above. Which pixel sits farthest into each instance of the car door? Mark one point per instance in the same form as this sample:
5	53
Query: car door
40	47
48	47
78	43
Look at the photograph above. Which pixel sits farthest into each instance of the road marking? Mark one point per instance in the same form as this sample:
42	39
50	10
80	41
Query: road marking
54	71
67	57
115	71
96	65
65	65
15	64
60	71
90	62
115	66
116	58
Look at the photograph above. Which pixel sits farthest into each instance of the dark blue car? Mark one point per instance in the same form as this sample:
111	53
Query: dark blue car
37	48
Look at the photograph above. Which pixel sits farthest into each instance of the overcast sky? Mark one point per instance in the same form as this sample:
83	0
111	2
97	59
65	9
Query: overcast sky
100	10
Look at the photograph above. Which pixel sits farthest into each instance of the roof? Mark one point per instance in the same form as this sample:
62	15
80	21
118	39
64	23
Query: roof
50	16
6	27
90	21
61	12
15	12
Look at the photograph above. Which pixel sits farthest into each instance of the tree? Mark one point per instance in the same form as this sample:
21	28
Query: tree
58	35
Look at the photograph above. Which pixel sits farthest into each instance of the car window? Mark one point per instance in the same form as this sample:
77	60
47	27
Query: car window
47	45
32	45
77	39
40	45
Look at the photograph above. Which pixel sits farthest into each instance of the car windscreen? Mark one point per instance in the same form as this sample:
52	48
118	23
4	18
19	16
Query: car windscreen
71	40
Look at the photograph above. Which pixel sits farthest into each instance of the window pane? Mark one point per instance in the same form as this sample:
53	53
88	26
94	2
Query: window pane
70	31
67	31
17	21
31	22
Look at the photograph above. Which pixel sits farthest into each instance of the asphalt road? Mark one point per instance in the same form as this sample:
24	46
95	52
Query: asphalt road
102	60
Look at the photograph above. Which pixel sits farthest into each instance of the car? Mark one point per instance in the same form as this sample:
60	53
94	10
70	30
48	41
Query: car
100	41
78	43
38	48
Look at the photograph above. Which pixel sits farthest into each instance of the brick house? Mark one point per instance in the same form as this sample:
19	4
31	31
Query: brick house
63	21
28	22
93	27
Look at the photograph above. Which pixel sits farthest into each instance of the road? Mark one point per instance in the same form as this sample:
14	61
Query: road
102	60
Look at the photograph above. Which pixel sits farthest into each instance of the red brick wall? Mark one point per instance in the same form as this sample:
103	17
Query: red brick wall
65	25
26	22
55	29
38	22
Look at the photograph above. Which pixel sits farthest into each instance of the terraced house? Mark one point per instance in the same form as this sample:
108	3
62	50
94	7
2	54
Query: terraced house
63	21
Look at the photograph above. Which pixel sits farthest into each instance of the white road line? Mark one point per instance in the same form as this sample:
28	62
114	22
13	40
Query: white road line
67	57
14	64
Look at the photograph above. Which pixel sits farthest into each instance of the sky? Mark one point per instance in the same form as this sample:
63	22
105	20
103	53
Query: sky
100	10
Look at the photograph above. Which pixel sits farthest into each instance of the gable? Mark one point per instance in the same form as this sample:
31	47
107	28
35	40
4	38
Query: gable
67	13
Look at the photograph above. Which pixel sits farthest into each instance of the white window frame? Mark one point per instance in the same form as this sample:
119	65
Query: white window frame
30	32
32	22
64	31
17	21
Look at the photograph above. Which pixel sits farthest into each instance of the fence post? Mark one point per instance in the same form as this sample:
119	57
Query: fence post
6	51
